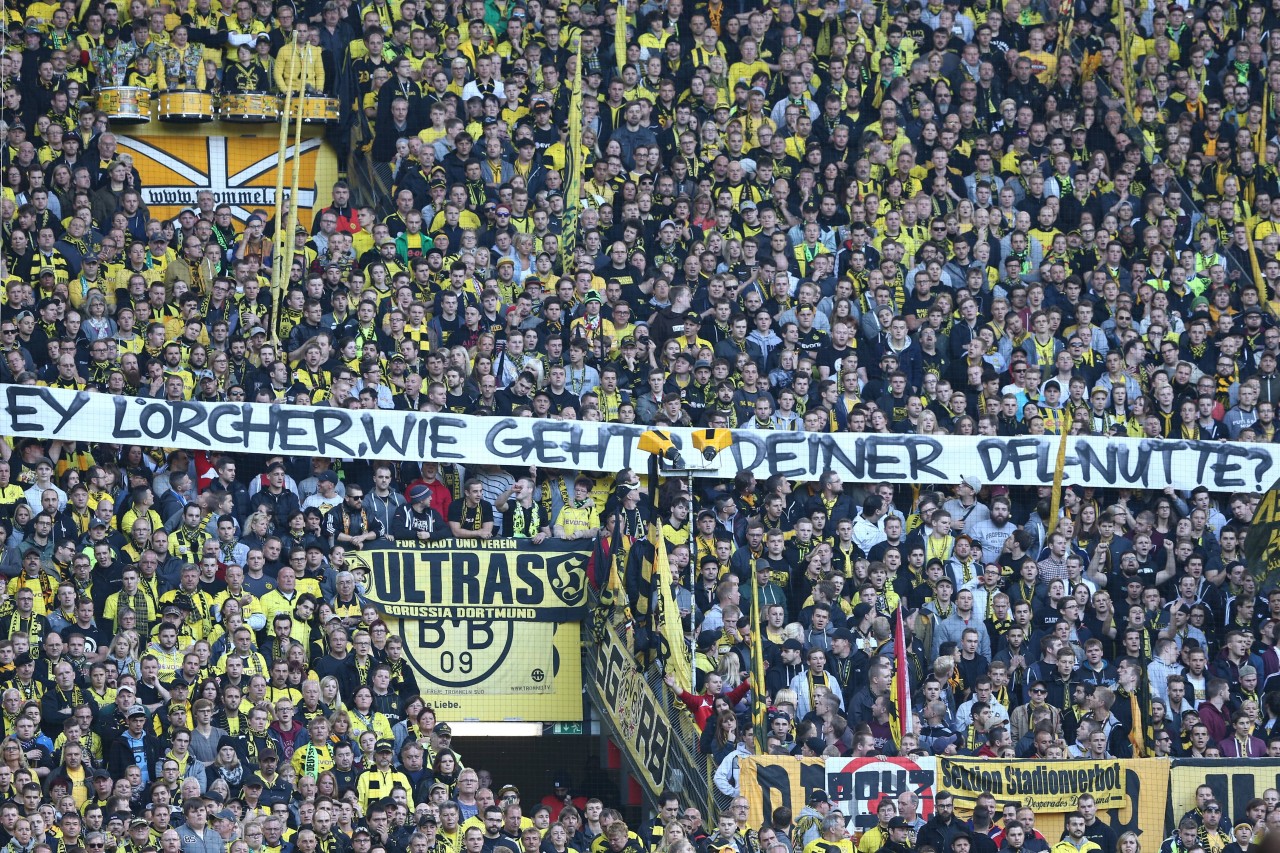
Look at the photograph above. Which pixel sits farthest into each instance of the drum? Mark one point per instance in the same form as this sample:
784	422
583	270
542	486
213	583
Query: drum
314	110
184	107
250	108
125	104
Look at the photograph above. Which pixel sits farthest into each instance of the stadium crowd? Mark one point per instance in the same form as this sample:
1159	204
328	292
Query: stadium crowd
942	217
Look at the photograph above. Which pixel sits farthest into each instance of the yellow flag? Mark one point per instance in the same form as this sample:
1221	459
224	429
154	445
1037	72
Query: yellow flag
759	710
573	164
670	624
620	35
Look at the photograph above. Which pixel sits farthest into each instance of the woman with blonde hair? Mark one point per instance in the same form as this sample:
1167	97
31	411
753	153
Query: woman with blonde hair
257	528
340	728
730	670
330	694
673	836
785	700
1128	843
124	652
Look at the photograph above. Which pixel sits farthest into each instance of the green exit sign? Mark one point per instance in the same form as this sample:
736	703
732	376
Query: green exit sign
567	729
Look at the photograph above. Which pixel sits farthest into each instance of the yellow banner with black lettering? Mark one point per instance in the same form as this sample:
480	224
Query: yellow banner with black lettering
1132	794
644	721
1048	786
491	629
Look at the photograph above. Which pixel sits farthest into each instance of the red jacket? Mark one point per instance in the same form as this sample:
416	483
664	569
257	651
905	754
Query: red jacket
701	704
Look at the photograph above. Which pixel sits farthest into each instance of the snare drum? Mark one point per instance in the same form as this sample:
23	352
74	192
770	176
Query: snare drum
186	106
126	104
250	108
314	110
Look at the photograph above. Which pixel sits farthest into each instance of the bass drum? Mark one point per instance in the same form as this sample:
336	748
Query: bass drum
125	104
250	108
186	107
314	110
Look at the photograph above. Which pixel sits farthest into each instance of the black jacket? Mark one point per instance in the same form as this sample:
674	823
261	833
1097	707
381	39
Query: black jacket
120	753
406	523
940	834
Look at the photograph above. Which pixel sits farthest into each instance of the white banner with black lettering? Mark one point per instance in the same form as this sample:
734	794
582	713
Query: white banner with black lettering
56	414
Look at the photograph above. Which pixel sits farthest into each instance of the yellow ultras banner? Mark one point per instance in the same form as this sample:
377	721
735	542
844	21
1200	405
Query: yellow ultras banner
491	628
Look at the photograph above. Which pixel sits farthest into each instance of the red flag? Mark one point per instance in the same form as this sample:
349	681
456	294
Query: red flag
900	691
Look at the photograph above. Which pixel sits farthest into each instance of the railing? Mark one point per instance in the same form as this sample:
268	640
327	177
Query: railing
655	733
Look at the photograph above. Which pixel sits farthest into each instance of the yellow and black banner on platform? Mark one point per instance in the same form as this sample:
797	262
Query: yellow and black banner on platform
637	712
492	627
